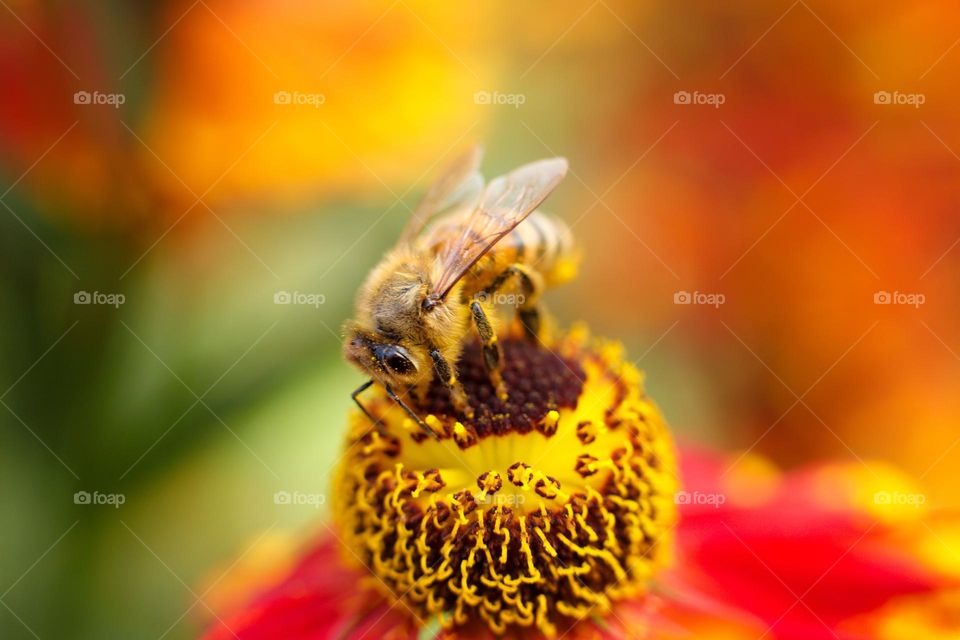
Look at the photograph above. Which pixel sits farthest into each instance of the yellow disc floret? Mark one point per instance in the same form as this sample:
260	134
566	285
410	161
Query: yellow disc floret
539	511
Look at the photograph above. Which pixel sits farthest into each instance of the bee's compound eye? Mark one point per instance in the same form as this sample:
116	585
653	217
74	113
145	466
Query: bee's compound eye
398	362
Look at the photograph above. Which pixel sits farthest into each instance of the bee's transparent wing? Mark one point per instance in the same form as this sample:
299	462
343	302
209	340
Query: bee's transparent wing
459	182
505	203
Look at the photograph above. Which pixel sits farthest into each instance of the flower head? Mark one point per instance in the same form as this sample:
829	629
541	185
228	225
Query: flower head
539	511
555	513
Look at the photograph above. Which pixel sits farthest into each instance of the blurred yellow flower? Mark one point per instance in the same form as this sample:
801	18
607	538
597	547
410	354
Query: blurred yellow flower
295	100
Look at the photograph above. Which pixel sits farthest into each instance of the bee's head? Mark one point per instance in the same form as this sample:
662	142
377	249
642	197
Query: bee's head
381	358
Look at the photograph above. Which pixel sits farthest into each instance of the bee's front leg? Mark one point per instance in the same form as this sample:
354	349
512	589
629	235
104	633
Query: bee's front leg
410	412
449	377
491	349
355	395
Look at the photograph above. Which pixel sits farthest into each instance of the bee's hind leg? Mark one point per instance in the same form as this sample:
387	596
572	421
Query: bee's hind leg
530	285
530	320
491	349
449	377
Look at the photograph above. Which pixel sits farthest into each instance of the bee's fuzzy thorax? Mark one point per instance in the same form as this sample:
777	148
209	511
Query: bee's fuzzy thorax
537	511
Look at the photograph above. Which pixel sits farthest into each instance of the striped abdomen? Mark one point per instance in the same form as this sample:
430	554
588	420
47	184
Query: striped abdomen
541	242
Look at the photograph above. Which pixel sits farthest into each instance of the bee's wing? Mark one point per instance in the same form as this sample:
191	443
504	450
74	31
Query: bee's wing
459	182
505	203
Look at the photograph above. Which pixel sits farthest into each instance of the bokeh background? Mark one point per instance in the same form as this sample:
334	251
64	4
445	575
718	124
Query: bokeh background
181	194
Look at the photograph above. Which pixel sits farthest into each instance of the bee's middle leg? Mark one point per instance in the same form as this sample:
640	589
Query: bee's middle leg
530	285
492	356
449	377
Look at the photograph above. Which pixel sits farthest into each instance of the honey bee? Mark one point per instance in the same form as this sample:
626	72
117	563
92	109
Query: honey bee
414	311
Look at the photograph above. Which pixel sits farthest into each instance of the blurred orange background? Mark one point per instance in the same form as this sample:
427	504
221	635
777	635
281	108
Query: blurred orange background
788	169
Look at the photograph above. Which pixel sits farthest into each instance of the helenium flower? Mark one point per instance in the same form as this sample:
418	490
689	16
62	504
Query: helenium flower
560	513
